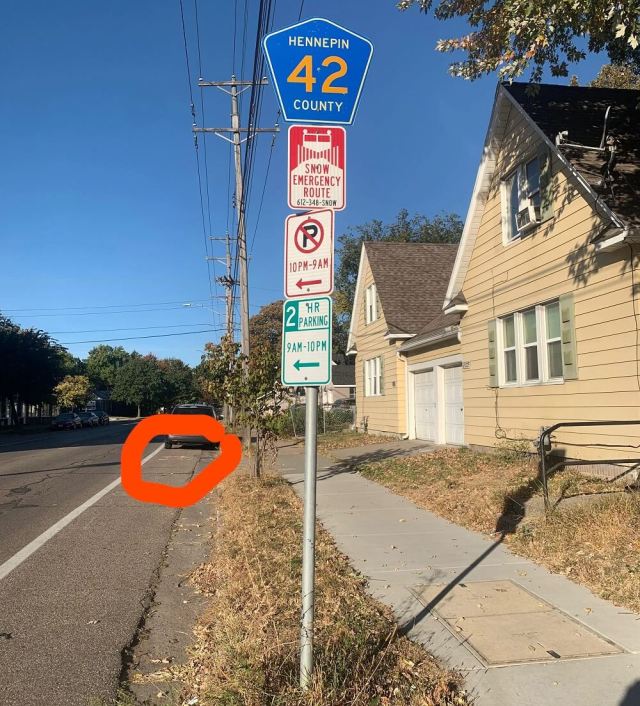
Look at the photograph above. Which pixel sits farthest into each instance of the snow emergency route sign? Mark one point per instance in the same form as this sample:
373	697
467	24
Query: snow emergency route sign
306	341
318	70
317	167
308	254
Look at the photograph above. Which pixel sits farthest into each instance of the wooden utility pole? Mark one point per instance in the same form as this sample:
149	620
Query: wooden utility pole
228	283
226	280
231	88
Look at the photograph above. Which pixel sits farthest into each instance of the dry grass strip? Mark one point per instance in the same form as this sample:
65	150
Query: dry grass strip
246	653
348	439
595	543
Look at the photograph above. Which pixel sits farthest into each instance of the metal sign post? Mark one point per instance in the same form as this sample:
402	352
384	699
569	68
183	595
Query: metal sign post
318	70
309	536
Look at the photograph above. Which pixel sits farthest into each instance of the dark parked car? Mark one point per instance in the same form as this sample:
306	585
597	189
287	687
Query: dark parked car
88	419
185	439
67	420
103	417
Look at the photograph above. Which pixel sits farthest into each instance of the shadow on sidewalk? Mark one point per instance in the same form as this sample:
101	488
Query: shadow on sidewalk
405	627
351	464
632	697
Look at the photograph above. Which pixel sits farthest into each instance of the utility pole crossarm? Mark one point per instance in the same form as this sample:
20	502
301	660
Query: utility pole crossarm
240	129
206	84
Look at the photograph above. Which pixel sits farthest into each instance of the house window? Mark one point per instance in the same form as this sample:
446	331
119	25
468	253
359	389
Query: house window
531	346
509	349
371	304
522	188
373	377
554	341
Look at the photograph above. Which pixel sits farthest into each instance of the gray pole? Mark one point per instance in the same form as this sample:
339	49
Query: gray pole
235	130
242	240
309	536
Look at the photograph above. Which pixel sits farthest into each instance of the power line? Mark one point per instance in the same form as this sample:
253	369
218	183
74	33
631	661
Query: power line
124	311
235	32
138	338
255	102
195	144
204	120
111	330
185	303
264	188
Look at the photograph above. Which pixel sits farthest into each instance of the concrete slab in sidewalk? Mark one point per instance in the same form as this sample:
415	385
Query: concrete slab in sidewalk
415	561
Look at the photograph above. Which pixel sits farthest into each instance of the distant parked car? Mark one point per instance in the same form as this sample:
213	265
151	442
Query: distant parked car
89	419
187	439
103	417
67	420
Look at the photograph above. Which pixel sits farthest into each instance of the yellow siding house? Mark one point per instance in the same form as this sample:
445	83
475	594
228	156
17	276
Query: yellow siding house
400	289
545	280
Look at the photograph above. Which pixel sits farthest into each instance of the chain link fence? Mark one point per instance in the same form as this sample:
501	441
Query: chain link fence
331	419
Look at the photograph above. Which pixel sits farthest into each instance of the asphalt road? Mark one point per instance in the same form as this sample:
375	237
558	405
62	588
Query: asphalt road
70	608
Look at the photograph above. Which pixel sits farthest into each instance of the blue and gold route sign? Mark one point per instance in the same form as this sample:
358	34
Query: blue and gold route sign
318	70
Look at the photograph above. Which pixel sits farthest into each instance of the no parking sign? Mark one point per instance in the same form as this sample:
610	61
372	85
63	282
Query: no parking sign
308	254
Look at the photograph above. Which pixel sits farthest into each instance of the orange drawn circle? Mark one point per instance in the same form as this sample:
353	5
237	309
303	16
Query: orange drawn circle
199	485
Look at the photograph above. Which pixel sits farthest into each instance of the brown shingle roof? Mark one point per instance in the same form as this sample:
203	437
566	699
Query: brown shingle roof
581	112
411	280
441	325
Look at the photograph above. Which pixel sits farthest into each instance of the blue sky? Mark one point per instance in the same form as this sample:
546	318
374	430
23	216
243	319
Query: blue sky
99	202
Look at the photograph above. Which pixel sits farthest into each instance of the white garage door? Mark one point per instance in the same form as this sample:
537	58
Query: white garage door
454	405
425	405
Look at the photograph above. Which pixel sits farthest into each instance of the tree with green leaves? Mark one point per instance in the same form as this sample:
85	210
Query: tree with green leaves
72	365
73	391
617	76
103	363
250	386
512	36
445	228
31	364
265	327
140	382
178	382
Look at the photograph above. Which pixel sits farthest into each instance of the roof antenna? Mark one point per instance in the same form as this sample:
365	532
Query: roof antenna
604	129
562	138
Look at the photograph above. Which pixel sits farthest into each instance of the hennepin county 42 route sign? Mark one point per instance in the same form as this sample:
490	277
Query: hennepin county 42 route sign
318	71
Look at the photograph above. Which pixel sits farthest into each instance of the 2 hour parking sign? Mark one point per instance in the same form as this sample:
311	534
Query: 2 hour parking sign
318	70
306	341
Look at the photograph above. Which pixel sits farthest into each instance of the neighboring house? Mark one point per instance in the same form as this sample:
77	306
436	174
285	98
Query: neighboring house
343	384
544	276
400	289
540	317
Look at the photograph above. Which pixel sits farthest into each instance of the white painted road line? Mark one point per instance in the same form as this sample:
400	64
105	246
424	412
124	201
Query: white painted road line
26	552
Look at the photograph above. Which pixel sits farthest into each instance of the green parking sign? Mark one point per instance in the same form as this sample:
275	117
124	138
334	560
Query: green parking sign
306	341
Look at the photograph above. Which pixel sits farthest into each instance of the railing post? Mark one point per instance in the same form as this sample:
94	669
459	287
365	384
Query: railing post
543	470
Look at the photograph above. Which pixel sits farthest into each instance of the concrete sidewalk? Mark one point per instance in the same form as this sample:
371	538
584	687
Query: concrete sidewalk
520	634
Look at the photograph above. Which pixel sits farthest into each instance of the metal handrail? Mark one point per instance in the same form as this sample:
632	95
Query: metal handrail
545	434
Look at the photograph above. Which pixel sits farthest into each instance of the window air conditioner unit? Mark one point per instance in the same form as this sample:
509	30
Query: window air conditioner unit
527	217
